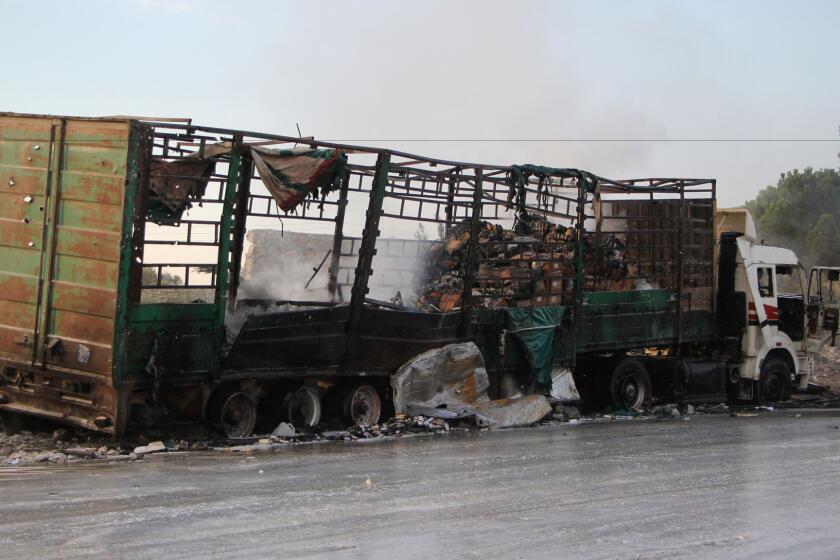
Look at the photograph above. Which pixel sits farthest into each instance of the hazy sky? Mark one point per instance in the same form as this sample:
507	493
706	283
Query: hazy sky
459	70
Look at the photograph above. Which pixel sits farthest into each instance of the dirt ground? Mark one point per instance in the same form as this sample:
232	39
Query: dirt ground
828	368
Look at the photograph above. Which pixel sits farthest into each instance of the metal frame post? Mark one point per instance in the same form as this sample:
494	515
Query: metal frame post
240	216
680	262
579	260
232	183
338	240
465	329
48	242
367	250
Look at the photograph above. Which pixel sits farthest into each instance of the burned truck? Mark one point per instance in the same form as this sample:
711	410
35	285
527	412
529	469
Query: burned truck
123	301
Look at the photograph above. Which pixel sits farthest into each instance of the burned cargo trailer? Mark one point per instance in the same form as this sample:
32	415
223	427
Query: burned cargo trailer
123	242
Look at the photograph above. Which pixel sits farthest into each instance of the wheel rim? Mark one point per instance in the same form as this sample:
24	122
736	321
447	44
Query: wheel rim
631	391
304	407
239	415
364	405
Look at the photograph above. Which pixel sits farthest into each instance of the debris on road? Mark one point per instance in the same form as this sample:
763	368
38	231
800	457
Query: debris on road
450	376
284	429
507	413
454	379
153	447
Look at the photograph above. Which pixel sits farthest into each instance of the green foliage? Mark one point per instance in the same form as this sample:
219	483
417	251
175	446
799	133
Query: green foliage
166	278
802	212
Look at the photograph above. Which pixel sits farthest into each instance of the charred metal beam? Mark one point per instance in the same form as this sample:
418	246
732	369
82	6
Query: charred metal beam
235	176
240	216
472	256
338	239
367	251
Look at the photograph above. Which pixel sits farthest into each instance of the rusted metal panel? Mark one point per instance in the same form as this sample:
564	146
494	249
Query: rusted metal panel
61	209
82	290
24	171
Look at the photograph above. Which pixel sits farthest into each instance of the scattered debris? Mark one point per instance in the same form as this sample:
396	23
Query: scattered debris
453	379
153	447
84	452
396	427
506	413
61	434
451	376
563	386
284	430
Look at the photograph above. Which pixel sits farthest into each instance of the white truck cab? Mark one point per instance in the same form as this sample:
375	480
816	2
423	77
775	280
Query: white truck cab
787	321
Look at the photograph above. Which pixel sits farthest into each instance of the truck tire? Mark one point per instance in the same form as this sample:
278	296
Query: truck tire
362	405
630	385
303	408
774	382
238	415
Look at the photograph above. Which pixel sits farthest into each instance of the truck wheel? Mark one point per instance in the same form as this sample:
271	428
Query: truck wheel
362	405
304	407
239	415
630	385
774	381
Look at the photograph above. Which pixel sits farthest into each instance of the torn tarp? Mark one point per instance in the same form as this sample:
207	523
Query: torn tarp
452	382
289	175
173	184
292	175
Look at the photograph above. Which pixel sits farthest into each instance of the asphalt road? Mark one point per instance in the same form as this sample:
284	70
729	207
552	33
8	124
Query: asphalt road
708	487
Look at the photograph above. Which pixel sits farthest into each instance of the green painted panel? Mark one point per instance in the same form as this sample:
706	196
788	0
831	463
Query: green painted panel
84	299
17	233
183	333
25	149
85	271
90	215
17	314
36	129
629	297
18	287
100	189
95	159
88	244
84	244
24	154
20	260
14	206
626	320
166	312
81	326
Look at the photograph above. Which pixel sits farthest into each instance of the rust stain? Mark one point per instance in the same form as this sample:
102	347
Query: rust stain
18	288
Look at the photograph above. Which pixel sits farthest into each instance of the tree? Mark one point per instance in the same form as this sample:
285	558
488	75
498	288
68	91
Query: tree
166	278
802	212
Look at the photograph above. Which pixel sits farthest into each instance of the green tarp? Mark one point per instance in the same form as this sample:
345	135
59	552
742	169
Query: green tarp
535	330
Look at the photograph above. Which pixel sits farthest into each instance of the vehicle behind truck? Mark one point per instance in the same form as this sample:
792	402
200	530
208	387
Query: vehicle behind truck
124	303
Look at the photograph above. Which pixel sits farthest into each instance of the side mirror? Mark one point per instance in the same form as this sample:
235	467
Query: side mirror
833	275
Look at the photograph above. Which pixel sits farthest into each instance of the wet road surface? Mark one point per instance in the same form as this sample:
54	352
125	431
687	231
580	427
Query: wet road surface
708	487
